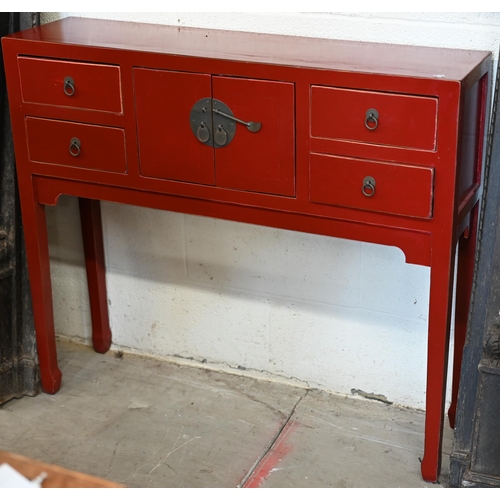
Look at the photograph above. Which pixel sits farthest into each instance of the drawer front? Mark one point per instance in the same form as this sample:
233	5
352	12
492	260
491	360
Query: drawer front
398	189
92	86
96	147
404	121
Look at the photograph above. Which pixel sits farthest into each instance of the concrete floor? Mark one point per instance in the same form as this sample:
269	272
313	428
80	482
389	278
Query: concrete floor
146	424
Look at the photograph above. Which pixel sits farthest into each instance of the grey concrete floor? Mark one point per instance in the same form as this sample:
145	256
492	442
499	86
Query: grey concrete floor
148	424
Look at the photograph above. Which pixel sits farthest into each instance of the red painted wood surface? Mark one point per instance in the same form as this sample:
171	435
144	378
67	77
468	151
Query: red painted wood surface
404	120
303	52
399	189
241	164
416	245
101	148
168	148
426	182
93	247
96	86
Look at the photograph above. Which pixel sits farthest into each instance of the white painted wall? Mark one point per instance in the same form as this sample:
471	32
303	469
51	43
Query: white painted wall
323	312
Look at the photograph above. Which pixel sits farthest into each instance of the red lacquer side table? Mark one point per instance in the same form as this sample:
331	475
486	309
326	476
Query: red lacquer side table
371	142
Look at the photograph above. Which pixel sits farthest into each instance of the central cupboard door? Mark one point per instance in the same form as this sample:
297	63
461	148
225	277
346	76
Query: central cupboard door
262	161
168	148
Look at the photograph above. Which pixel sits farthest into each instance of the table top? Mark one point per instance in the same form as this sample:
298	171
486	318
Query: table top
318	53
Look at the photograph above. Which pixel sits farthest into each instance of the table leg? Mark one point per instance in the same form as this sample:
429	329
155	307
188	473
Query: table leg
90	216
37	254
440	303
465	275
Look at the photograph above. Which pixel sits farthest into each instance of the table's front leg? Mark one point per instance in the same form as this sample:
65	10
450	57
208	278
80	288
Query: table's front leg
440	304
37	253
90	216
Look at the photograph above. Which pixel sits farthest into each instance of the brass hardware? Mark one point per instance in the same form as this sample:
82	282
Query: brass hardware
368	188
371	118
75	146
252	126
210	114
224	124
203	133
220	136
200	120
69	86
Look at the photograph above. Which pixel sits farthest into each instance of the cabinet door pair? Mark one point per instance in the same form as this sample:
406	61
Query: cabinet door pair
260	161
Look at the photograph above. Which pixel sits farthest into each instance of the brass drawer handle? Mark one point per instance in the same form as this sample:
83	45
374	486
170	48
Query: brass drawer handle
69	86
371	119
368	188
74	146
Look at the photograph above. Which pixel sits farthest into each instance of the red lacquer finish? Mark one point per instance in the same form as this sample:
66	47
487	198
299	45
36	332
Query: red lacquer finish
35	234
241	166
168	149
99	148
94	86
304	170
403	120
397	189
93	247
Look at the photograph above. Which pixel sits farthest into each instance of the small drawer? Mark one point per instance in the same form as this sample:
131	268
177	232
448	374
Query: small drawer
368	185
398	120
76	145
71	84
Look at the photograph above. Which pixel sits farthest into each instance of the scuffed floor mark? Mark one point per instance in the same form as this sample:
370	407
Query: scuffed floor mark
173	450
258	401
204	387
371	395
347	431
245	422
137	405
270	462
324	421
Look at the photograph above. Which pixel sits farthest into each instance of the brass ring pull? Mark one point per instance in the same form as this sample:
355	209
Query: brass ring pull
74	146
220	136
69	86
371	119
368	188
203	133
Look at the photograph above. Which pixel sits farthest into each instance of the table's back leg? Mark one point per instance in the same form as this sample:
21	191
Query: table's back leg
465	276
37	253
440	303
90	215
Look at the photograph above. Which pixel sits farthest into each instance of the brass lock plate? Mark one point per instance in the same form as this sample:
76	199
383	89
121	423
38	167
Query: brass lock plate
222	124
211	129
200	120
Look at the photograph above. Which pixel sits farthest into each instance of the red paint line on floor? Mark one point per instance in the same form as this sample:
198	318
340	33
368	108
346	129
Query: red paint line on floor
280	449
